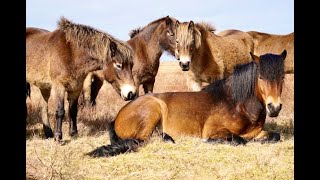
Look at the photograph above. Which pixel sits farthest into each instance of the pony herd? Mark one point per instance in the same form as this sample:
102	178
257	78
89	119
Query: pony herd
235	79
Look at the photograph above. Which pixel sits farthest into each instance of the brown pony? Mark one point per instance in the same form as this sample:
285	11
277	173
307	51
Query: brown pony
209	56
272	43
57	62
231	110
148	44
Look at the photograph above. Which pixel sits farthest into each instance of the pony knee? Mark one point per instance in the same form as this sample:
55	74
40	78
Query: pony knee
60	113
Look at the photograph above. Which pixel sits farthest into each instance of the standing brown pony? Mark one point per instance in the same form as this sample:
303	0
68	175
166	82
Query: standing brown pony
273	43
59	61
231	110
209	56
148	44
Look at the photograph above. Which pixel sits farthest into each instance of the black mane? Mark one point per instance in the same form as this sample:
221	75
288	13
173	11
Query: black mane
134	32
243	80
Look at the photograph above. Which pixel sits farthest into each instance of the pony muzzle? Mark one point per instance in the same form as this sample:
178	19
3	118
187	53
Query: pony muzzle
184	63
128	92
273	108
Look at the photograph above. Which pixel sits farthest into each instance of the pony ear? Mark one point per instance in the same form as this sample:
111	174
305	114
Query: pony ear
168	20
255	58
284	54
177	24
113	48
191	25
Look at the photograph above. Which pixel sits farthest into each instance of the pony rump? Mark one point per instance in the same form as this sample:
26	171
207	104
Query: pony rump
96	42
243	81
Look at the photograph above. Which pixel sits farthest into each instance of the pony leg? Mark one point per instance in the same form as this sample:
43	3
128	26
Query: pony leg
91	87
58	92
267	137
148	86
44	113
73	110
96	85
137	84
193	84
224	136
86	92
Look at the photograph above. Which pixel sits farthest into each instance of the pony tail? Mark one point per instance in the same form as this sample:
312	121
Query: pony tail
117	146
112	134
120	147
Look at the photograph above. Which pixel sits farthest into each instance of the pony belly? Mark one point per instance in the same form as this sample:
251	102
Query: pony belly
182	126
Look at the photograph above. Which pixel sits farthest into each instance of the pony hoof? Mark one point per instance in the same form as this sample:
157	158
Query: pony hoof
48	133
274	137
167	138
237	140
58	137
73	133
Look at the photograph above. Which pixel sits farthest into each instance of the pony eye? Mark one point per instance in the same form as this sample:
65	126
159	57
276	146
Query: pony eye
177	42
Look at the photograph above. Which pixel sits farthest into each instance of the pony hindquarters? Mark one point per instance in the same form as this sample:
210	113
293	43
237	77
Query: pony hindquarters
133	125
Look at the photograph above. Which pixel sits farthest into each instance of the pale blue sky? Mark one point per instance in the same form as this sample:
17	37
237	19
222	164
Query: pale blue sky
118	17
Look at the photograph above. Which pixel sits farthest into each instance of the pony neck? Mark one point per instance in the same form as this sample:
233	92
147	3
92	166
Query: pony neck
148	39
204	58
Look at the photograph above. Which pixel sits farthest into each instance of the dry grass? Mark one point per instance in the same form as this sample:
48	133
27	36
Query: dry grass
187	159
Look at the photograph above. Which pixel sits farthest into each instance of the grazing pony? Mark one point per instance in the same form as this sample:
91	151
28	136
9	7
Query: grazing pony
57	63
231	110
273	43
148	44
209	57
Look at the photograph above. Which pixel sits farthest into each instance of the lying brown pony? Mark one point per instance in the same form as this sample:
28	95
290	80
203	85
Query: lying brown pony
231	110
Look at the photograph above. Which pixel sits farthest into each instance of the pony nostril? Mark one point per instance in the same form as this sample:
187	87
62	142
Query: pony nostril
269	106
279	107
178	59
130	95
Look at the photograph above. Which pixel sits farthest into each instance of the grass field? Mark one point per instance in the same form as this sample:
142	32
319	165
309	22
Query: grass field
189	158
